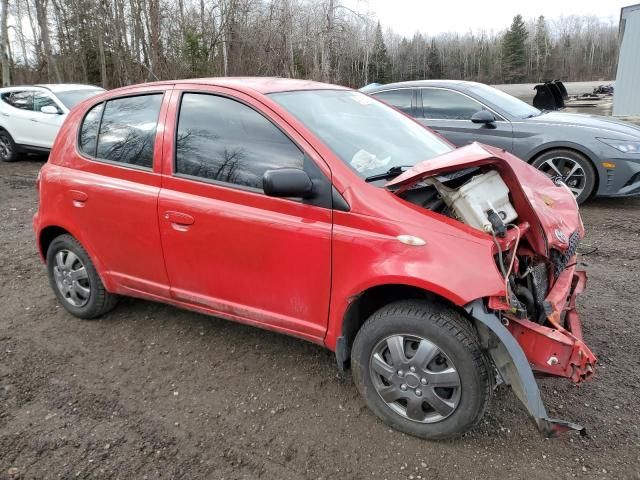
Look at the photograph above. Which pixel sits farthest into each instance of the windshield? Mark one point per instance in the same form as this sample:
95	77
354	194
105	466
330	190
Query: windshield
70	98
366	134
511	105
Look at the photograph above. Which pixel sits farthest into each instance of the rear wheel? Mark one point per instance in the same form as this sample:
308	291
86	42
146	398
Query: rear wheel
75	281
8	151
420	368
572	168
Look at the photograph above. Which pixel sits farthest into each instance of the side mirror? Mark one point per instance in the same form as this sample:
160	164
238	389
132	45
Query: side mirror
483	116
287	182
50	109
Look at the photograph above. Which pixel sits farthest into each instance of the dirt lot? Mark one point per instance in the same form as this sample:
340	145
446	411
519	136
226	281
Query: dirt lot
154	392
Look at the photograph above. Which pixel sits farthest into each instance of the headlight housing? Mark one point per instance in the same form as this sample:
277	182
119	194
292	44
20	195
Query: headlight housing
624	146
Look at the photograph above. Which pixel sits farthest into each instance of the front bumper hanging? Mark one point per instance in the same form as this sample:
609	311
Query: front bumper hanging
558	350
524	344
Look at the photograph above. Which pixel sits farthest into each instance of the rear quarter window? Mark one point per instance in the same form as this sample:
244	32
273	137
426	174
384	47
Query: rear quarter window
89	130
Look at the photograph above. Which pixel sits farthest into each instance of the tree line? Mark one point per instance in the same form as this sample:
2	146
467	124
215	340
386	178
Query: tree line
119	42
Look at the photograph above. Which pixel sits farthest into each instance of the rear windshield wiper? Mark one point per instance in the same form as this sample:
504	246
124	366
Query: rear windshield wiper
392	172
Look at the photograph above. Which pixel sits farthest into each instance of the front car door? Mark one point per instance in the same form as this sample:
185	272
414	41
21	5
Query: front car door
47	125
230	249
449	113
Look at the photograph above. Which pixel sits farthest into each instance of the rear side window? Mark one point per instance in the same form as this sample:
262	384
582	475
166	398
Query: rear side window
401	99
224	140
122	130
22	100
89	130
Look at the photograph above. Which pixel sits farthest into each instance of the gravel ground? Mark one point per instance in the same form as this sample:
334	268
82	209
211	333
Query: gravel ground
150	391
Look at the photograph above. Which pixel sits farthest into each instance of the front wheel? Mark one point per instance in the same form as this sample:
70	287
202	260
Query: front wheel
572	168
419	368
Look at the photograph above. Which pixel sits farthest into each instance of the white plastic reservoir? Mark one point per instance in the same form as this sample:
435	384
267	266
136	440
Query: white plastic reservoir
482	193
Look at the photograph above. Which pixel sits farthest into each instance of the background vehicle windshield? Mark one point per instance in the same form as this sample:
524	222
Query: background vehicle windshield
71	98
512	105
366	134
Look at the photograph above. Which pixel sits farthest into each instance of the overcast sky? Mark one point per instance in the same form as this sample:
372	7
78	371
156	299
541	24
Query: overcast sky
436	16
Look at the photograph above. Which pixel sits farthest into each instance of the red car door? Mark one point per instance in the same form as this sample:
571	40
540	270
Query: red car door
109	195
228	247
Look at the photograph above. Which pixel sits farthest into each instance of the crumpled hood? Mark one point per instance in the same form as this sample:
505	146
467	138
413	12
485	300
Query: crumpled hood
550	209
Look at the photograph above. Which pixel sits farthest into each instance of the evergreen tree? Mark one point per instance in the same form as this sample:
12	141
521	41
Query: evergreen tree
514	53
380	65
435	65
542	46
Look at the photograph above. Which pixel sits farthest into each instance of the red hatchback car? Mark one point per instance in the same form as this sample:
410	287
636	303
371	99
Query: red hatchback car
319	212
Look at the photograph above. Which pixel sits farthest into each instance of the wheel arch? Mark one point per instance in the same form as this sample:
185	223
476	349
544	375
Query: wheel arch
49	233
564	145
367	302
580	149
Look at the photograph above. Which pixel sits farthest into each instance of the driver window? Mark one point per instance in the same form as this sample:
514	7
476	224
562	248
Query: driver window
448	105
43	100
226	141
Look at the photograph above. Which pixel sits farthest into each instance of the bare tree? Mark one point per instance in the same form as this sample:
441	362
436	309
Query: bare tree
119	42
43	24
4	43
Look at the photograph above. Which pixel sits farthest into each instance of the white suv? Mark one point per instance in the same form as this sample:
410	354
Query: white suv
30	116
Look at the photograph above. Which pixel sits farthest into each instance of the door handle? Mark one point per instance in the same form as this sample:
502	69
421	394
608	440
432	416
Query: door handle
4	114
179	221
78	197
34	120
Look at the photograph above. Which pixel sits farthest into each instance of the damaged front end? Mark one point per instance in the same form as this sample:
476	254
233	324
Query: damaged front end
535	227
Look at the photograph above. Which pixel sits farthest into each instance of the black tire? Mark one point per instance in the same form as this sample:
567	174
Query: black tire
562	153
8	150
454	336
98	301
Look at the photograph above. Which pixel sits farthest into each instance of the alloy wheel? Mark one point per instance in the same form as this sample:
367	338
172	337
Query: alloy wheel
6	150
71	278
415	378
566	170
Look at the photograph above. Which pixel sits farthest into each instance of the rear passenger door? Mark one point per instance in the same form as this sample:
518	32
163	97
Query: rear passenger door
112	190
449	113
18	114
228	247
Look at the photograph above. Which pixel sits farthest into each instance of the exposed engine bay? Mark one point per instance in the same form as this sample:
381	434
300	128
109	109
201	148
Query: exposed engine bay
480	198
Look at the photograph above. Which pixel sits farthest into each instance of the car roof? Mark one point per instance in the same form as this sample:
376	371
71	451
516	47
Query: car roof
455	84
261	85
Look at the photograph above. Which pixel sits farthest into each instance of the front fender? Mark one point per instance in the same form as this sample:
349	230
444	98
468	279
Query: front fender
542	147
454	265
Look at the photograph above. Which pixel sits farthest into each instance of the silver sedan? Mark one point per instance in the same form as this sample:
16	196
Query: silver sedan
593	155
